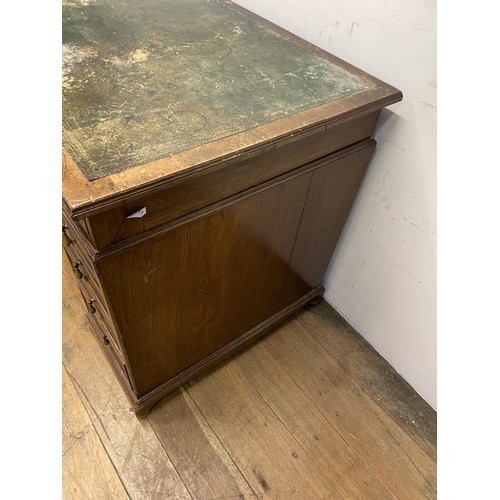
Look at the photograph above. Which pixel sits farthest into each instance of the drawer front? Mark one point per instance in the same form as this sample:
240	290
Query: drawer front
197	191
72	243
100	331
100	315
88	282
82	270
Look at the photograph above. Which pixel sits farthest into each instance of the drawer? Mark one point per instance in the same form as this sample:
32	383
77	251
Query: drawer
97	310
73	243
82	269
114	355
183	196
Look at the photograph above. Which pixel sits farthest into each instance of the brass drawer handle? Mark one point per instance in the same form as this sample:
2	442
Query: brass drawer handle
65	238
90	306
77	271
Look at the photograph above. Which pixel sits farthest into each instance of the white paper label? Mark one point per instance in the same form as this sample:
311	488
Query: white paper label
136	215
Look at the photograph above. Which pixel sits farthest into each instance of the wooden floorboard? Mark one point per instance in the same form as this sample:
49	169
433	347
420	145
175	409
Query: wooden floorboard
315	435
396	460
207	469
309	412
371	372
86	468
266	452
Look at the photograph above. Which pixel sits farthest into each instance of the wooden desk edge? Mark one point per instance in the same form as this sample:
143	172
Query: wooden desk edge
84	197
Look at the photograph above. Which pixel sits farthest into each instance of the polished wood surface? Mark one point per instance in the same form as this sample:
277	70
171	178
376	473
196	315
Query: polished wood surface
190	291
310	411
331	193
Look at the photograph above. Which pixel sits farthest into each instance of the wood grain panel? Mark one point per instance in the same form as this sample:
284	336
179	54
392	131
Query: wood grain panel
190	291
331	194
332	191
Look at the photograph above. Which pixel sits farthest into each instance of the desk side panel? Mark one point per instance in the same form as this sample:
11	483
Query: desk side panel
181	296
331	195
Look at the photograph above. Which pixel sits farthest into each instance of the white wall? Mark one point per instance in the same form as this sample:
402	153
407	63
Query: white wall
382	277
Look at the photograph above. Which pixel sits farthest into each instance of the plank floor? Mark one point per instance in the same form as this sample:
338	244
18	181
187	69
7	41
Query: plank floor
309	412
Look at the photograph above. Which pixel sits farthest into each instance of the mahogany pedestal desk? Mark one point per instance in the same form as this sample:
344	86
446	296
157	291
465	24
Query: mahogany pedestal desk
210	160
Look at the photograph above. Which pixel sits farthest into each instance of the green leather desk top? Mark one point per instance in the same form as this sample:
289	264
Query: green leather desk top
143	80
